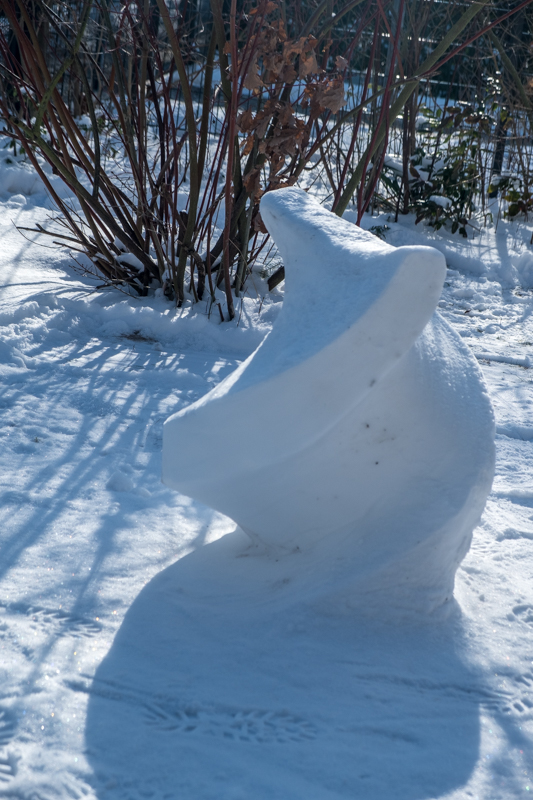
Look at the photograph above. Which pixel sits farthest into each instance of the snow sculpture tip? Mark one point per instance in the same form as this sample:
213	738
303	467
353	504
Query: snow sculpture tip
359	434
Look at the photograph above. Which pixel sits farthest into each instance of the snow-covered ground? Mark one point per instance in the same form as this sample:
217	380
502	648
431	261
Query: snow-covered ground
122	674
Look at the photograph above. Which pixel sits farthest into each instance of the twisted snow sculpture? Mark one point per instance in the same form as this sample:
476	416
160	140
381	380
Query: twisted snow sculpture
355	445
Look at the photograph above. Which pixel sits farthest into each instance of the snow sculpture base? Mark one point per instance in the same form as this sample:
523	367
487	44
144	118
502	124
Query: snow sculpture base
355	445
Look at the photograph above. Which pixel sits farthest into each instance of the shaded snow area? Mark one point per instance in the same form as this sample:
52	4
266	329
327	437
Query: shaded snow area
122	677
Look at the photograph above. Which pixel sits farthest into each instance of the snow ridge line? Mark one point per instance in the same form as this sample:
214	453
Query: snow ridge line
515	362
474	694
515	431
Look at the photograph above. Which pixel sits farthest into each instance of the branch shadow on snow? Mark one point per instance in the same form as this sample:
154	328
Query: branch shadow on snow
75	419
215	689
74	413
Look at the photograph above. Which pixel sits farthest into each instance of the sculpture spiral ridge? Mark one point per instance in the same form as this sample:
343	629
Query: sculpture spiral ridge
359	434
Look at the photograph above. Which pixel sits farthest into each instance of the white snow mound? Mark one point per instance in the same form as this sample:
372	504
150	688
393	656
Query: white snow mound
119	482
358	436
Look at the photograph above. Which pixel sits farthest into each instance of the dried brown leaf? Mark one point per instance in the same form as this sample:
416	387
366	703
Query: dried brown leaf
341	63
268	40
288	74
277	161
294	47
273	64
251	182
286	116
262	120
264	8
248	145
308	65
258	224
245	121
252	81
285	141
331	95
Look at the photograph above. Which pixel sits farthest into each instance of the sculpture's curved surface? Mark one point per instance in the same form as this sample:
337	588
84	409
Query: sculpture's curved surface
359	434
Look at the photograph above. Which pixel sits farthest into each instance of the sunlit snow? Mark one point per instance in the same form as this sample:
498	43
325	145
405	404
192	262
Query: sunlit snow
121	675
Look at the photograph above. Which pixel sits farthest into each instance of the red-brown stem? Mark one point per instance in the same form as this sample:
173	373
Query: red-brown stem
351	148
363	203
229	163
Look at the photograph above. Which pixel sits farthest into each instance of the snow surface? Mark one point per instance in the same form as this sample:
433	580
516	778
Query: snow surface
439	200
120	680
380	433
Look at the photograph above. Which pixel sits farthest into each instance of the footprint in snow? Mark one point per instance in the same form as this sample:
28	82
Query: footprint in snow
518	702
7	726
39	617
244	725
524	613
8	767
8	762
523	705
237	724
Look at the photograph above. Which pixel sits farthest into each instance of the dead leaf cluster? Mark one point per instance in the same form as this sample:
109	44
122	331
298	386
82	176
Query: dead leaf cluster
270	64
